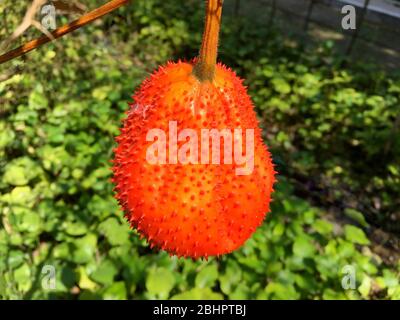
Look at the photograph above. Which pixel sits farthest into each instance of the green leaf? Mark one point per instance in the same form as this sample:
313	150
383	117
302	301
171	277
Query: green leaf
62	251
207	277
394	293
365	287
115	233
160	282
22	276
306	282
330	294
101	93
303	247
231	278
20	171
84	249
117	291
323	227
327	266
75	228
391	279
20	196
37	99
278	291
30	222
198	294
66	278
281	85
356	216
242	292
84	280
105	273
355	235
15	259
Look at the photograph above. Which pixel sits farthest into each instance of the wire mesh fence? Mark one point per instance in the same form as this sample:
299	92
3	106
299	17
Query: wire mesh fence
377	32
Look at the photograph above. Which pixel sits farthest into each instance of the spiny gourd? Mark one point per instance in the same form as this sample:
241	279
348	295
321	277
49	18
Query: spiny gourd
192	208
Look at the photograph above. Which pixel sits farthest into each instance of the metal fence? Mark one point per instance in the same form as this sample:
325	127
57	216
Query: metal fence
377	33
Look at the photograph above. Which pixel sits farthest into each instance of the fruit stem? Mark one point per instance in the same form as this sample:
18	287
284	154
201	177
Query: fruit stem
205	66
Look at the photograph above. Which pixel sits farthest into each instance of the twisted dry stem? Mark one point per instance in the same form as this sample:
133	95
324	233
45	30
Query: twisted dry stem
59	32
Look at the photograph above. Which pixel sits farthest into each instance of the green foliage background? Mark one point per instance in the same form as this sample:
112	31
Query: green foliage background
331	128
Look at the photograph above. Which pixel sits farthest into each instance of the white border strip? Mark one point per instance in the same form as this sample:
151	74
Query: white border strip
380	6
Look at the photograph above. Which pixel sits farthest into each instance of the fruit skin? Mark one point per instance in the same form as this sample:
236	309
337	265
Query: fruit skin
191	210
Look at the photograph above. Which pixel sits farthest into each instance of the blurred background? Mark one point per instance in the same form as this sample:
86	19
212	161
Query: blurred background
328	101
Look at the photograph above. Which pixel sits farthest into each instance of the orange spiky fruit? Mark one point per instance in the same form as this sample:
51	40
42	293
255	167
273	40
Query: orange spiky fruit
172	189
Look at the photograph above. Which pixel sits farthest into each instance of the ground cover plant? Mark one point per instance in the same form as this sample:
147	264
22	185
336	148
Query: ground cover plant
333	128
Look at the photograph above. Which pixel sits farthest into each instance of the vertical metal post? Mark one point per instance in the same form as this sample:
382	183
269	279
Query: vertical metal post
236	8
358	27
309	12
273	12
